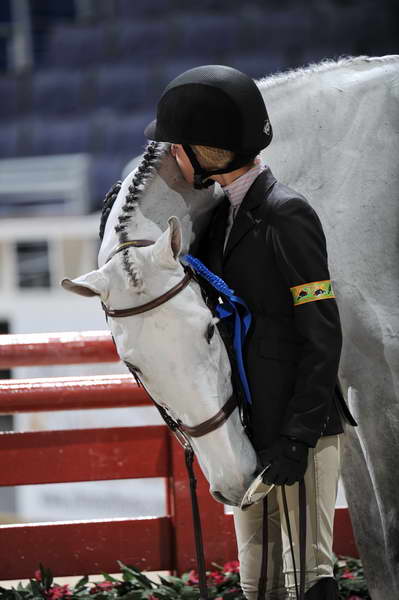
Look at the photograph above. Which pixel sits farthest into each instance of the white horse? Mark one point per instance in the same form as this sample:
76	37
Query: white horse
174	348
336	141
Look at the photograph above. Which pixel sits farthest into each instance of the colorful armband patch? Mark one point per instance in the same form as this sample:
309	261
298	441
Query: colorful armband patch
308	292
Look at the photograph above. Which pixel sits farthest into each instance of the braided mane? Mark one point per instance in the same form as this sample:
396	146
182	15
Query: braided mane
143	173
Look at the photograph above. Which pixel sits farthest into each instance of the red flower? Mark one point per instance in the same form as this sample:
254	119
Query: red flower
58	591
217	577
38	575
103	586
347	575
192	577
233	566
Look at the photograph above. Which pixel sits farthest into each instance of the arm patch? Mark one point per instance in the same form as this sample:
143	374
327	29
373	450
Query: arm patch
309	292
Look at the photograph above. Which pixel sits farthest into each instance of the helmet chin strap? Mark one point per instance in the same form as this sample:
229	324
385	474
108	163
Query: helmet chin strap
201	175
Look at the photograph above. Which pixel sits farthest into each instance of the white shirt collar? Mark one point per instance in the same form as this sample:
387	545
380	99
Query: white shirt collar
236	190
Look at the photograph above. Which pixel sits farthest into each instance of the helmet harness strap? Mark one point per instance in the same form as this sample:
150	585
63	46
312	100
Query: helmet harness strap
201	175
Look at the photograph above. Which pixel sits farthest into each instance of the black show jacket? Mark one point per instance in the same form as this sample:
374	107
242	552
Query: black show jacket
292	351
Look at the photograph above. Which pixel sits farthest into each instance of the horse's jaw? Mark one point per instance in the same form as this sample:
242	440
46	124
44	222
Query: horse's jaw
193	399
229	475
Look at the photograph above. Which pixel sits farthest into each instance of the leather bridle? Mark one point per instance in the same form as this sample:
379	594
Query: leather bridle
223	414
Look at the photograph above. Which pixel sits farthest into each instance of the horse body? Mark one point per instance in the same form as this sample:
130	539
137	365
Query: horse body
337	142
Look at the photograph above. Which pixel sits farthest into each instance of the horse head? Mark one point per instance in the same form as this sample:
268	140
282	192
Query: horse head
174	347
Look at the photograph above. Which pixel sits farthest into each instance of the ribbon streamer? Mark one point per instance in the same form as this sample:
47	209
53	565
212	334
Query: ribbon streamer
229	305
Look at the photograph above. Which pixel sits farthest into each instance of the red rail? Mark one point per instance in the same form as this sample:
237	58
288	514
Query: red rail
65	348
66	393
74	548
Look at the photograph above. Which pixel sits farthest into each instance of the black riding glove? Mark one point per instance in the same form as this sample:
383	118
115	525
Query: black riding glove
289	460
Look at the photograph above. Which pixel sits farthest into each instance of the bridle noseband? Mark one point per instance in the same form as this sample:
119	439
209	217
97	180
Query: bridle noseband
222	415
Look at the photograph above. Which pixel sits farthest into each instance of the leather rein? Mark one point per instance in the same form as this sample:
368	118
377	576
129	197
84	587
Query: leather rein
223	414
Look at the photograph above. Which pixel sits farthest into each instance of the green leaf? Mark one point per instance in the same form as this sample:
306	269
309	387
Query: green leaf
166	593
36	588
47	577
133	595
15	595
130	572
81	583
174	582
190	593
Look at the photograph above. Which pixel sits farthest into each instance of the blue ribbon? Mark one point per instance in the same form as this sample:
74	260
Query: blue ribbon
229	305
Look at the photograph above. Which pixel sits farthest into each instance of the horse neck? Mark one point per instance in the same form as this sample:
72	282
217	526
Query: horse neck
277	86
315	113
342	81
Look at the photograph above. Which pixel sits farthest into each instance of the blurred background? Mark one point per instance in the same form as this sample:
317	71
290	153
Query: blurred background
79	80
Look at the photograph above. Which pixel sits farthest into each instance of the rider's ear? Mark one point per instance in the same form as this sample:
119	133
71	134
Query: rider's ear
94	283
168	246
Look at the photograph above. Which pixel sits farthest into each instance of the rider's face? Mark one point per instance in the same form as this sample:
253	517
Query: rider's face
182	160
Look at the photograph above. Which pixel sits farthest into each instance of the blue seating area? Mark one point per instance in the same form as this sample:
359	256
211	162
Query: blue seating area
58	92
120	134
96	83
77	45
208	37
10	97
59	136
141	40
9	140
97	77
124	87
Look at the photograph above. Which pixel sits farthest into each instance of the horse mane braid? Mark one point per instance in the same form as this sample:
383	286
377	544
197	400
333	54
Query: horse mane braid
142	175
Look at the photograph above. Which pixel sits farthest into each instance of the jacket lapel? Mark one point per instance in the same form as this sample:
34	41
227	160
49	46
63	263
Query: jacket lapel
245	219
216	237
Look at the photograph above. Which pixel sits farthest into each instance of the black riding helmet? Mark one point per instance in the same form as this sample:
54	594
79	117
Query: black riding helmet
213	105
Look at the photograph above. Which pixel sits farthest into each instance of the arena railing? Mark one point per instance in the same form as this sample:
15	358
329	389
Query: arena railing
37	457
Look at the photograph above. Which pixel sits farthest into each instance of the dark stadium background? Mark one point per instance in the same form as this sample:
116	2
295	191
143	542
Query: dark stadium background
84	75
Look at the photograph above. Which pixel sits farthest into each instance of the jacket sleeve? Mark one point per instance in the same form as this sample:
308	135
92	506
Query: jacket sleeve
301	254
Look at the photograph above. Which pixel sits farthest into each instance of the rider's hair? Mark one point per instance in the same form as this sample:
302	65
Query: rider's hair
213	158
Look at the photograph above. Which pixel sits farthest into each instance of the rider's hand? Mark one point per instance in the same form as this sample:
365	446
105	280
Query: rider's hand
289	460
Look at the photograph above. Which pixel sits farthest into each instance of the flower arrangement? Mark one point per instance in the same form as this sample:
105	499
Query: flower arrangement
223	584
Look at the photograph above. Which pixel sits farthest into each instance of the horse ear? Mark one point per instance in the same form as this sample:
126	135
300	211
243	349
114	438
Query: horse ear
91	284
168	246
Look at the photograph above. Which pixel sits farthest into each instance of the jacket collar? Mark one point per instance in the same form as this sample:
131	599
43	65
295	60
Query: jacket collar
245	219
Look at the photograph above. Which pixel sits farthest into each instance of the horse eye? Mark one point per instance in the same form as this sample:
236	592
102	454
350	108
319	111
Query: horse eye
209	332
